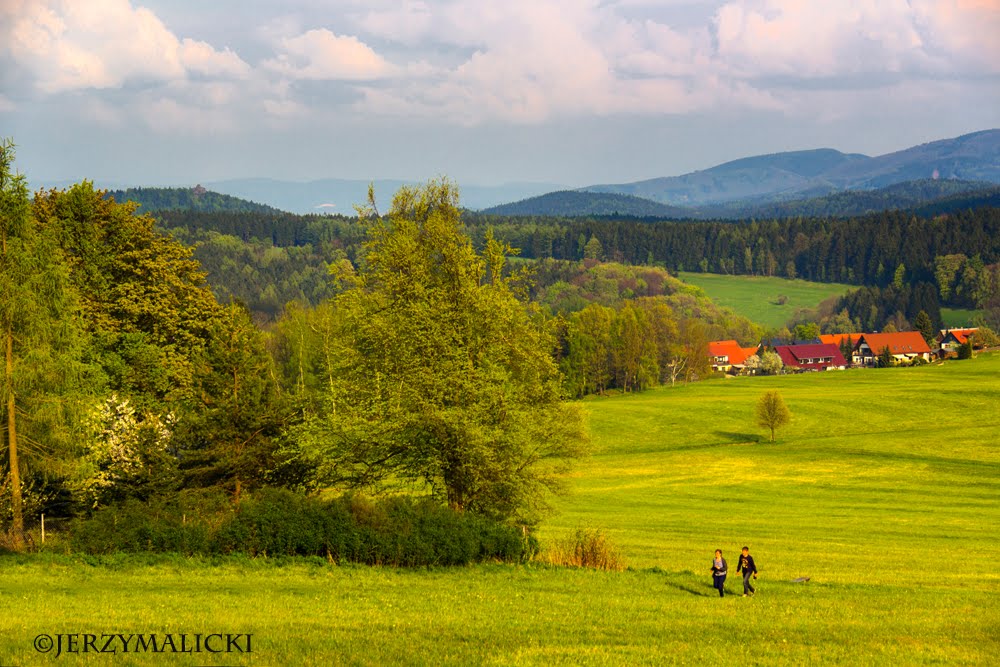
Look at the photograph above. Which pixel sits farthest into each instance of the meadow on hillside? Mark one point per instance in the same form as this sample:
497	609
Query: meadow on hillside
757	297
882	489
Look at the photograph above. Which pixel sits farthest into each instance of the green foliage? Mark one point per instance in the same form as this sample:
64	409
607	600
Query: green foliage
984	336
229	429
925	326
438	374
771	412
806	331
44	375
577	203
885	358
965	349
144	297
399	531
194	199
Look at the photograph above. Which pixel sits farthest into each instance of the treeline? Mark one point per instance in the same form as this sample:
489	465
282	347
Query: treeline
860	251
127	384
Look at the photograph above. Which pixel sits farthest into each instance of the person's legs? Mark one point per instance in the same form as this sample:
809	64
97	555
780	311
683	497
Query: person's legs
722	586
748	589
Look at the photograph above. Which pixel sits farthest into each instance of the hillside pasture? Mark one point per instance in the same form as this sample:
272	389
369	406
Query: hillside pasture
883	490
756	297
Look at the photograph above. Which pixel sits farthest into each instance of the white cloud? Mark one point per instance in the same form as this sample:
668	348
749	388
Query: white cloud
6	104
322	55
71	45
520	61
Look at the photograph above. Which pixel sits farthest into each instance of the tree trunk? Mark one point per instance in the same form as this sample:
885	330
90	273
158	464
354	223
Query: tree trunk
15	471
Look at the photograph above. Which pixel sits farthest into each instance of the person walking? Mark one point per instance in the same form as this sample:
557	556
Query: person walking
748	567
719	571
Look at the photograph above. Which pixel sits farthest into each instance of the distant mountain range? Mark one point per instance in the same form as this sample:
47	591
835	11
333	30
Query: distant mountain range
333	195
806	174
926	196
817	182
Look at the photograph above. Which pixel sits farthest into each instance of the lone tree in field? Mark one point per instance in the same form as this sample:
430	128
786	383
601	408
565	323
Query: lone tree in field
772	412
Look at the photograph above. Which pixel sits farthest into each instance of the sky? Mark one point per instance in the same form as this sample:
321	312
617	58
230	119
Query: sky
571	92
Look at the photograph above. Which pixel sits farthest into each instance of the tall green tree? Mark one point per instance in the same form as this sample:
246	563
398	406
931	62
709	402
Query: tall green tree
230	428
925	326
443	375
40	328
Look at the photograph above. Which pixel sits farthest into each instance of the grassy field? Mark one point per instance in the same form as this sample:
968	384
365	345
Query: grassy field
754	296
958	317
884	490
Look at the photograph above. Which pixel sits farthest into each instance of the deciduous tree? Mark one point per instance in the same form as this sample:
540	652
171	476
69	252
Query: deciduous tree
444	376
771	412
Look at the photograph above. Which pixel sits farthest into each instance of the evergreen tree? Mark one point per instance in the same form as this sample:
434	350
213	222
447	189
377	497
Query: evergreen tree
41	337
923	324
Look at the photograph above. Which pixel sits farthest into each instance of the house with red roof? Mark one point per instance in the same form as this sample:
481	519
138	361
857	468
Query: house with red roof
949	340
904	346
812	357
727	355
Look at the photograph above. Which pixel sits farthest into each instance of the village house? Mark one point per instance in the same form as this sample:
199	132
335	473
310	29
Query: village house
812	357
727	355
949	340
904	346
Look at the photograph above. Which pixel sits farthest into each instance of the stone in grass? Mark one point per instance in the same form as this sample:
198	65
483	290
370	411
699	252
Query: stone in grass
800	580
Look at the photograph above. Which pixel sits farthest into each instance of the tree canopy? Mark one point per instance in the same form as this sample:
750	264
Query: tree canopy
442	375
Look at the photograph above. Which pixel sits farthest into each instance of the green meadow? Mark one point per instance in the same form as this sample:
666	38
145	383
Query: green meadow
883	490
755	297
959	317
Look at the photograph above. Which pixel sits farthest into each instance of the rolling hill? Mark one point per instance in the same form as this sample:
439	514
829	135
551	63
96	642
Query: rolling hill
333	195
811	173
195	199
576	203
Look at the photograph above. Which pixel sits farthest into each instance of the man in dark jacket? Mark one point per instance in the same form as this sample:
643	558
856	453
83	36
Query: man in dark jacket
748	567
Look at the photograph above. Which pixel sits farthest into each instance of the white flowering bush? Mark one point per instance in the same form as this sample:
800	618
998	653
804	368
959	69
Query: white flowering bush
120	445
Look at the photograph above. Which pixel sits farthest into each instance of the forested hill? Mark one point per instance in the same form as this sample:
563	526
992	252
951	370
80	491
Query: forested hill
576	203
924	193
194	199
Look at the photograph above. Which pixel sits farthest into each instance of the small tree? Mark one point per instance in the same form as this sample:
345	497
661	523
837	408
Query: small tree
985	337
593	249
885	358
924	325
772	413
965	349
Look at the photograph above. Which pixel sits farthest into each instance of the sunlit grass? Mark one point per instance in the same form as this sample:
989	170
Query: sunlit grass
755	297
883	489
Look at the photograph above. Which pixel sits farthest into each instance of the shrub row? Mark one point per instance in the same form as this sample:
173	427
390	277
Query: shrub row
397	531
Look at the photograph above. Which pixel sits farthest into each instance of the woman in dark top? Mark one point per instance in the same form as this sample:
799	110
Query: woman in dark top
719	571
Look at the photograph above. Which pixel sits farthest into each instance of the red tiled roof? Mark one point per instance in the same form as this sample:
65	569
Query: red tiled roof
793	355
904	342
730	348
961	335
838	339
